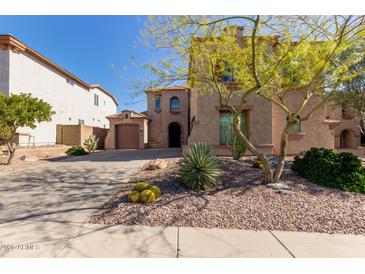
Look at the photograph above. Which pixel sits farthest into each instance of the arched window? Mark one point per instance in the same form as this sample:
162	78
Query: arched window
174	104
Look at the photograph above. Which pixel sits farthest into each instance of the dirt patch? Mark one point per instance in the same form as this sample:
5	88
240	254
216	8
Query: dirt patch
40	155
240	201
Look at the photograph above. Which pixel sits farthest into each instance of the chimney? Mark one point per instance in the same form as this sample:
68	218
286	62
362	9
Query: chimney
233	31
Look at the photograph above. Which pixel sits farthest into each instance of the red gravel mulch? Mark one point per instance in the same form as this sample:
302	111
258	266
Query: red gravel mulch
240	200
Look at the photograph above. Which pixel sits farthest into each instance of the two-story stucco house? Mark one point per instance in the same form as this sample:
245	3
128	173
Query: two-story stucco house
183	115
24	70
178	116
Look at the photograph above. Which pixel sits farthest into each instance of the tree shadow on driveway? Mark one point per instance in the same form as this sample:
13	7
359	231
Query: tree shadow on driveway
71	189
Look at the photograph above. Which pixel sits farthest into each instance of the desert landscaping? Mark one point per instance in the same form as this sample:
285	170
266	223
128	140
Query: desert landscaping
240	200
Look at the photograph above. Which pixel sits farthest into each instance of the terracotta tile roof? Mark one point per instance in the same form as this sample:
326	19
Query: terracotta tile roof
133	115
167	88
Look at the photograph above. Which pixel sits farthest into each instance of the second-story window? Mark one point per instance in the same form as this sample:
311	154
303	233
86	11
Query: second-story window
174	104
96	100
225	72
157	102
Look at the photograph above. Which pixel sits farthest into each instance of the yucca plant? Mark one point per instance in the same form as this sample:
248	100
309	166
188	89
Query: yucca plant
199	168
91	143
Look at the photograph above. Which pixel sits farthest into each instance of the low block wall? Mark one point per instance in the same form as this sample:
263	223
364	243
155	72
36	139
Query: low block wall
75	135
41	152
359	151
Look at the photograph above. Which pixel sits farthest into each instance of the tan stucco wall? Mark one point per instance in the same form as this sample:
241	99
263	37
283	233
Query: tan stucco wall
160	120
205	109
110	140
266	122
315	133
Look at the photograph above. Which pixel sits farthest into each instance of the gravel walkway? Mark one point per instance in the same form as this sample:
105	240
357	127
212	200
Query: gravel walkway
239	201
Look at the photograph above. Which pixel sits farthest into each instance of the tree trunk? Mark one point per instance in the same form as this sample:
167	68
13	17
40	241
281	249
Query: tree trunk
362	125
259	155
282	154
11	151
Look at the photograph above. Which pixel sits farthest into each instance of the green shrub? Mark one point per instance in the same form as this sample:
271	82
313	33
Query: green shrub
156	190
133	197
91	143
199	168
325	167
238	147
258	164
76	151
141	186
147	196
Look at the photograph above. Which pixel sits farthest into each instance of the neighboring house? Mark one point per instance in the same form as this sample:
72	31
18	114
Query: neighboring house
24	70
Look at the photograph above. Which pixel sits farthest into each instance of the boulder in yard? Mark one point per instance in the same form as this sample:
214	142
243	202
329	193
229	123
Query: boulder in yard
26	158
279	186
157	164
285	192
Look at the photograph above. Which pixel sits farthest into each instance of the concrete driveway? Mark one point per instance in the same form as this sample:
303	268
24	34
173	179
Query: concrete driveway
49	204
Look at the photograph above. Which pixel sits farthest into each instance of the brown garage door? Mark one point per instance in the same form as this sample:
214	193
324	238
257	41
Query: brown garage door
127	136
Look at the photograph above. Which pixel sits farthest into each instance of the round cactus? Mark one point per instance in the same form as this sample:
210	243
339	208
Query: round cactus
133	197
147	196
156	190
258	164
141	186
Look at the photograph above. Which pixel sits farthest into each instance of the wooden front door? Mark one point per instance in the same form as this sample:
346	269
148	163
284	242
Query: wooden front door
127	136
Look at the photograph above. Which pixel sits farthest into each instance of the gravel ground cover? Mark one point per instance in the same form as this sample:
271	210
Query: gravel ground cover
240	200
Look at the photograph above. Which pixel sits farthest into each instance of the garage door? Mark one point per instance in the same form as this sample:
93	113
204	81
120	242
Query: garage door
127	136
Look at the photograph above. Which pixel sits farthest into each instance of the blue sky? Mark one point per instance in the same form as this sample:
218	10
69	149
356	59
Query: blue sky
97	49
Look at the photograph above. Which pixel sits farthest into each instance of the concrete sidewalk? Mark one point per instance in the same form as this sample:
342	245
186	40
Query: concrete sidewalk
64	240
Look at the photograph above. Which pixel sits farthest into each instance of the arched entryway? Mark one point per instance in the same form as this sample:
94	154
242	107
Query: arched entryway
174	135
347	139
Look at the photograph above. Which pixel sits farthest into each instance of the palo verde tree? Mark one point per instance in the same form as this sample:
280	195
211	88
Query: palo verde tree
275	57
20	111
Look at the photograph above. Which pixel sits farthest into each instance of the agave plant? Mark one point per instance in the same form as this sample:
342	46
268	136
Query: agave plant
238	147
199	168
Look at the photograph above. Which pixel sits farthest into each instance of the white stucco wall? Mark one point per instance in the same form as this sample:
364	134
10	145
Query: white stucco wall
70	102
4	71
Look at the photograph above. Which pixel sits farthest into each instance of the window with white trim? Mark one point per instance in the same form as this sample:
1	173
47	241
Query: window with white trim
96	100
